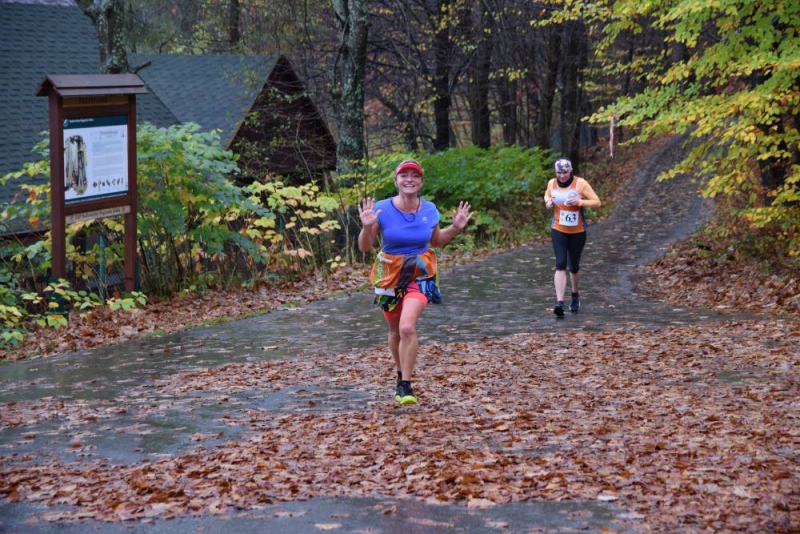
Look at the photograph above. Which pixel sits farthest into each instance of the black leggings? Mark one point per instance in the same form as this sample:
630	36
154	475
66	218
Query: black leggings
568	247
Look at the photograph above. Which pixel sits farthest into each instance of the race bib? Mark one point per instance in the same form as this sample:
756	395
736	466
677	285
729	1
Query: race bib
381	291
568	218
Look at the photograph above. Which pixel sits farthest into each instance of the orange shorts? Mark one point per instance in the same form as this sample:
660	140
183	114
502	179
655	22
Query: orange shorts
412	292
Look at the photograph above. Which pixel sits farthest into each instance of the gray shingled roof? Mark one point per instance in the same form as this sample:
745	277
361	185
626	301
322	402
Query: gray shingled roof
215	91
149	108
38	38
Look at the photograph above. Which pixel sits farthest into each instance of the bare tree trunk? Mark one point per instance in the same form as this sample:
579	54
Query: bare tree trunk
109	18
575	59
679	52
443	51
626	83
507	96
234	27
479	70
507	52
349	68
771	169
544	119
588	109
407	120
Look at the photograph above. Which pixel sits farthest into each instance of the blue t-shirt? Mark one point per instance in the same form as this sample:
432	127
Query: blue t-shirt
406	233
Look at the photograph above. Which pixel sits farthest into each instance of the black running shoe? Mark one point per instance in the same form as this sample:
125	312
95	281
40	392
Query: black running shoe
575	303
558	309
404	394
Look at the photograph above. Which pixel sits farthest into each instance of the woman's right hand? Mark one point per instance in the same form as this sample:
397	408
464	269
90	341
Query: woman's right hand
366	210
548	204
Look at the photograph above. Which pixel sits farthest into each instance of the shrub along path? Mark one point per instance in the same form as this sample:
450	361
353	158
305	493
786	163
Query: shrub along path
632	415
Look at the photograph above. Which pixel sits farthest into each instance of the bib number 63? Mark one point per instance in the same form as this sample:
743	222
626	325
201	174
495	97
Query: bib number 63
568	218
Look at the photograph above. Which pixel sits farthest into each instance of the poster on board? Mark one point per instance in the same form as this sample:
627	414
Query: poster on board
95	158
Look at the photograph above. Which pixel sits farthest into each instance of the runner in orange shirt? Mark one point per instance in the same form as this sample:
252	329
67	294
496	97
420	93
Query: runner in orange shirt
567	195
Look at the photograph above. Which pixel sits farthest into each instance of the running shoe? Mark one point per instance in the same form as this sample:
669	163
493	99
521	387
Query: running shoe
404	394
575	303
558	309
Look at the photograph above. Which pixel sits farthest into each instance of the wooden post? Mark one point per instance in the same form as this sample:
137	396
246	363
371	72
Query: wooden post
58	269
130	217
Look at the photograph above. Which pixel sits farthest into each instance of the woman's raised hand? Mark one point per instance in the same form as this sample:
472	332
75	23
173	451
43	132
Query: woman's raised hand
461	216
366	210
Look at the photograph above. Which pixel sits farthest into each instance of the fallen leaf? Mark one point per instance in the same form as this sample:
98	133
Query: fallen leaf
480	504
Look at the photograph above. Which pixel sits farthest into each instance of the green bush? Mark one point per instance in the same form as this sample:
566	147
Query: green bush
196	228
189	210
504	185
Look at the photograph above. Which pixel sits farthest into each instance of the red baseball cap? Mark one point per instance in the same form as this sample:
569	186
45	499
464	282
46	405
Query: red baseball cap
409	165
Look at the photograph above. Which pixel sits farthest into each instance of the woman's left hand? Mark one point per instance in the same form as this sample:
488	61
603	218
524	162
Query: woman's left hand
461	216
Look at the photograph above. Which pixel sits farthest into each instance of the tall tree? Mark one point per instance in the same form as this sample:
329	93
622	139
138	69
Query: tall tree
109	18
735	90
444	50
479	72
353	24
413	66
506	71
575	59
549	80
234	24
398	69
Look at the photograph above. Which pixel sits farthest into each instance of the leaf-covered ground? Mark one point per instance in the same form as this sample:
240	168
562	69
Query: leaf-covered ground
689	273
687	428
102	327
685	275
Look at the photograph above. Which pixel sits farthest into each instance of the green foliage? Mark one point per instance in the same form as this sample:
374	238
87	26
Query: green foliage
196	228
30	208
127	303
12	311
188	208
736	95
303	221
20	310
504	185
729	238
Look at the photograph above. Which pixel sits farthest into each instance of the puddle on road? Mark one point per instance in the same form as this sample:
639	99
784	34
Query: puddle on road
166	426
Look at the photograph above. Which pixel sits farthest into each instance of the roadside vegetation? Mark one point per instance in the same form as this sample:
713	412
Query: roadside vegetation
731	87
211	251
201	234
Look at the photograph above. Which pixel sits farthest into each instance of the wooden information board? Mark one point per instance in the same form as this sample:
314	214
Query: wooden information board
92	157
